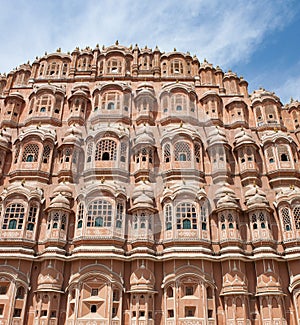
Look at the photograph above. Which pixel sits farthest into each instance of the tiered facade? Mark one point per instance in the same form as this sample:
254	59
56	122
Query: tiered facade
146	188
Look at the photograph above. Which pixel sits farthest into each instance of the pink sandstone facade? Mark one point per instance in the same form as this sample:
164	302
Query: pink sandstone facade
146	188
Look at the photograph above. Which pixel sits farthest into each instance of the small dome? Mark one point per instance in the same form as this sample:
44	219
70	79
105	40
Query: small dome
243	138
223	190
255	197
143	188
144	137
64	189
216	135
143	201
72	135
142	279
227	201
60	201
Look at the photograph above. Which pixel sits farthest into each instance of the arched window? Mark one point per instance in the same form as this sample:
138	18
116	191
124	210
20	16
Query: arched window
186	216
106	150
14	216
20	293
30	153
182	151
57	220
99	214
168	217
197	149
283	153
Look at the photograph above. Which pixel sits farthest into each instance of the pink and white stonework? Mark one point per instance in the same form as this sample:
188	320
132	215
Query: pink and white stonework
140	187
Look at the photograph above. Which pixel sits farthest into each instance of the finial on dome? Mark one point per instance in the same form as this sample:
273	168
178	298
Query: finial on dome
292	99
46	53
23	182
181	124
117	42
58	50
175	49
292	187
102	180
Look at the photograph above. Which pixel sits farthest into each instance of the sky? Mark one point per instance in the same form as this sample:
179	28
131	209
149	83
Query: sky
257	39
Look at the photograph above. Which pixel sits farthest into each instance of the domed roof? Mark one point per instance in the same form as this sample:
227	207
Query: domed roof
143	188
216	136
256	197
226	197
143	196
144	136
64	189
73	135
142	279
60	201
243	138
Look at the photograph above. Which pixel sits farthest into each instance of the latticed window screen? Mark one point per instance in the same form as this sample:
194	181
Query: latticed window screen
30	153
296	214
203	218
186	216
286	218
89	151
270	154
167	153
182	151
17	153
46	154
165	104
253	218
168	217
111	100
123	151
119	215
106	150
32	215
14	216
80	213
262	217
197	148
43	103
99	214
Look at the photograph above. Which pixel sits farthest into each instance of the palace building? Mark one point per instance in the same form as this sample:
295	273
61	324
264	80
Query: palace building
146	188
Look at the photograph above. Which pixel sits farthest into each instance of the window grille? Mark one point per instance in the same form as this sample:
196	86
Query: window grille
14	216
119	215
111	100
89	151
43	103
123	151
32	215
168	217
80	215
186	216
99	214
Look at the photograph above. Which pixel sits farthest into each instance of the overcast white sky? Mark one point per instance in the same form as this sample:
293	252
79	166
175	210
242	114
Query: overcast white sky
258	39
